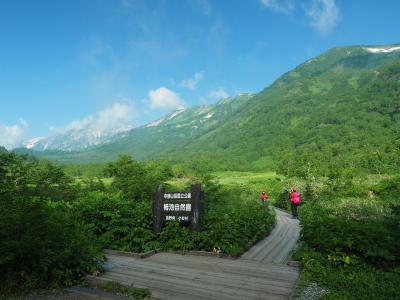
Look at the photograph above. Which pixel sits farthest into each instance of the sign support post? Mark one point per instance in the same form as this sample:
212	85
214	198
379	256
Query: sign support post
157	209
196	207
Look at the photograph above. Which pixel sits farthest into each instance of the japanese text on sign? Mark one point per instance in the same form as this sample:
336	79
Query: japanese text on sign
177	207
180	218
177	195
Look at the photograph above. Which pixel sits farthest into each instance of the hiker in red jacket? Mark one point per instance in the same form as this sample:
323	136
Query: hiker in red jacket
294	201
264	197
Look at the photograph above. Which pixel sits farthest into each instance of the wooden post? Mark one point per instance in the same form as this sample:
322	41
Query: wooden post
157	209
196	207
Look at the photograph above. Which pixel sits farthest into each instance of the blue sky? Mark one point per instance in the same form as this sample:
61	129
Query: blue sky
64	64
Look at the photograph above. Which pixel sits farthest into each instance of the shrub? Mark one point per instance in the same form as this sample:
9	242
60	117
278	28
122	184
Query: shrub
120	224
348	281
350	228
43	246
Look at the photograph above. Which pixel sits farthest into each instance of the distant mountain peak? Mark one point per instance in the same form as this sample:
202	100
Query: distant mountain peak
74	139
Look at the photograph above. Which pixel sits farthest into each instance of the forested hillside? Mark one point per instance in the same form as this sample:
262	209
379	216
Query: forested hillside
339	111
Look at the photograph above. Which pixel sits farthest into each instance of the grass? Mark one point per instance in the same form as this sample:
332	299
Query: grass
119	289
235	177
106	180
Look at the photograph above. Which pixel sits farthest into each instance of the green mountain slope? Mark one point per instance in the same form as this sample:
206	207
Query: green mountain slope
340	110
175	132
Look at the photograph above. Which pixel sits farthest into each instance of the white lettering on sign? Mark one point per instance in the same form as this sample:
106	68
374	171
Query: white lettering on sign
177	207
177	195
179	218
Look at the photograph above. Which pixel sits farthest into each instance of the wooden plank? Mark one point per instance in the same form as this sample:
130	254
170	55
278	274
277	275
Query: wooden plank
196	287
279	244
274	273
224	279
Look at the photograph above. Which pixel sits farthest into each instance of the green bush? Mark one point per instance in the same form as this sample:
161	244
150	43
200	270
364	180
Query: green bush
233	220
136	180
350	246
350	229
388	189
348	281
41	245
120	224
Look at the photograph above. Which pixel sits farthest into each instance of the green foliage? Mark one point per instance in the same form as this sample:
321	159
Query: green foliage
119	223
388	189
84	170
348	280
119	289
23	176
233	220
136	180
43	246
350	245
175	236
352	228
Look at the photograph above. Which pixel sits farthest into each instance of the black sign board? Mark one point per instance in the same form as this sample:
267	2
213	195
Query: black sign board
178	206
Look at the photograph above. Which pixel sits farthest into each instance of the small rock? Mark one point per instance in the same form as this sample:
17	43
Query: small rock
313	292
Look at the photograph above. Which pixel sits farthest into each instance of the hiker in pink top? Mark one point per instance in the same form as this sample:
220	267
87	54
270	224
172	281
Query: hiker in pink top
294	201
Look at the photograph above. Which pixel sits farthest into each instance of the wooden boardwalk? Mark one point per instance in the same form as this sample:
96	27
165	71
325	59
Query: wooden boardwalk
261	273
277	246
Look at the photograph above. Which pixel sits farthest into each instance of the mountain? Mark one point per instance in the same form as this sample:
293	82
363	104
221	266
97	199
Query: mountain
74	139
176	130
340	110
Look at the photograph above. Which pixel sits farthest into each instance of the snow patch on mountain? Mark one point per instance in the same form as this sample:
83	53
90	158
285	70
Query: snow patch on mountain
32	142
175	113
209	115
383	49
155	123
74	139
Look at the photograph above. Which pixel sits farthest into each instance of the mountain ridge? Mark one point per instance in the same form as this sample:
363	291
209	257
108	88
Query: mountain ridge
296	120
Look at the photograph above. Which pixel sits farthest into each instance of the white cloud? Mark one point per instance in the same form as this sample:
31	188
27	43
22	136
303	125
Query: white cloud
14	135
324	15
191	83
165	98
116	117
219	93
282	6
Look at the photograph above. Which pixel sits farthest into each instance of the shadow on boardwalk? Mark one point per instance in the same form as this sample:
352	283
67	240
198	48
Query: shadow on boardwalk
260	273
